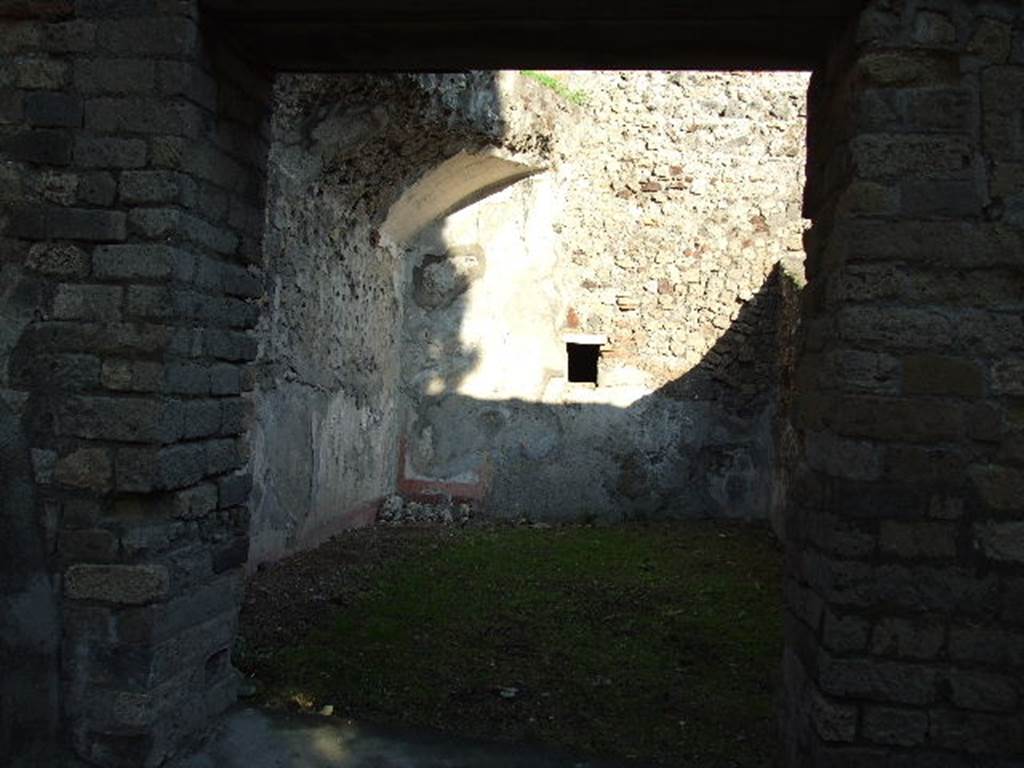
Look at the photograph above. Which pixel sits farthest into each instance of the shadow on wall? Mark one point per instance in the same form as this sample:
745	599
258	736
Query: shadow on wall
29	627
362	170
326	423
714	442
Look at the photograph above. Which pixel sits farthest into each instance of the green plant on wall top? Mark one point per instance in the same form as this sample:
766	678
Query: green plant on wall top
576	97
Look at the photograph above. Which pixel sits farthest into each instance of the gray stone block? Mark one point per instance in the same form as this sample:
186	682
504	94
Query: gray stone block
152	262
97	189
195	502
234	490
976	733
149	302
170	36
225	380
843	634
43	146
143	115
185	78
109	152
983	691
58	259
11	107
987	645
47	109
147	187
155	469
86	468
223	456
87	546
158	623
878	681
230	346
908	639
202	419
75	36
154	223
898	727
187	379
121	584
87	302
124	419
232	555
236	416
114	76
86	224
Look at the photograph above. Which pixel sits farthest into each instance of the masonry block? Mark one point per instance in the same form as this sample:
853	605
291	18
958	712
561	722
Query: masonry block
892	726
109	152
120	584
225	380
879	681
202	419
908	639
37	72
87	302
97	189
1002	542
152	262
169	36
986	645
230	346
58	259
124	419
976	733
233	490
842	634
150	302
154	469
999	488
983	691
53	109
918	540
195	502
87	469
148	187
44	146
143	115
114	76
85	224
88	546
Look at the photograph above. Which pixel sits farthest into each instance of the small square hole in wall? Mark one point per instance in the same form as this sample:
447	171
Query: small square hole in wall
582	362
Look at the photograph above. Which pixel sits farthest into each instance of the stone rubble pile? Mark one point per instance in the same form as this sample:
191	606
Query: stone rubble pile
396	511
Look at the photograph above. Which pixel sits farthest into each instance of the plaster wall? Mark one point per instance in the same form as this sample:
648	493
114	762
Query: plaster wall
345	149
657	228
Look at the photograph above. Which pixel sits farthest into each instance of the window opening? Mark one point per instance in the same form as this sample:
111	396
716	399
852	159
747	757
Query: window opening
582	362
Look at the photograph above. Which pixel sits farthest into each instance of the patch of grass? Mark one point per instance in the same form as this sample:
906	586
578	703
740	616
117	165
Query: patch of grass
659	642
578	98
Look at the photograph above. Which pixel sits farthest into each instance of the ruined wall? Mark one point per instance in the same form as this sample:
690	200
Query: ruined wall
905	532
131	159
657	225
345	149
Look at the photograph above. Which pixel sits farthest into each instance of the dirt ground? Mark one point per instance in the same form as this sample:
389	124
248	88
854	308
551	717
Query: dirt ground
656	643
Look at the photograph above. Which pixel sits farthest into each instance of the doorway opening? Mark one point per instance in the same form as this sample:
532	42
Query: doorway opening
494	596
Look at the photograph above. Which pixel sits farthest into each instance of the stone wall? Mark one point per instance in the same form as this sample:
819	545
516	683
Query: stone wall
345	149
132	157
905	559
132	152
658	223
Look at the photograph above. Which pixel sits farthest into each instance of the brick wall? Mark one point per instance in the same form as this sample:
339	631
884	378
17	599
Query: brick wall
133	157
905	566
131	173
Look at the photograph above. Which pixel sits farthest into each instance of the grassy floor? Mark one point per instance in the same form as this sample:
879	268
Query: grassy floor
655	642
